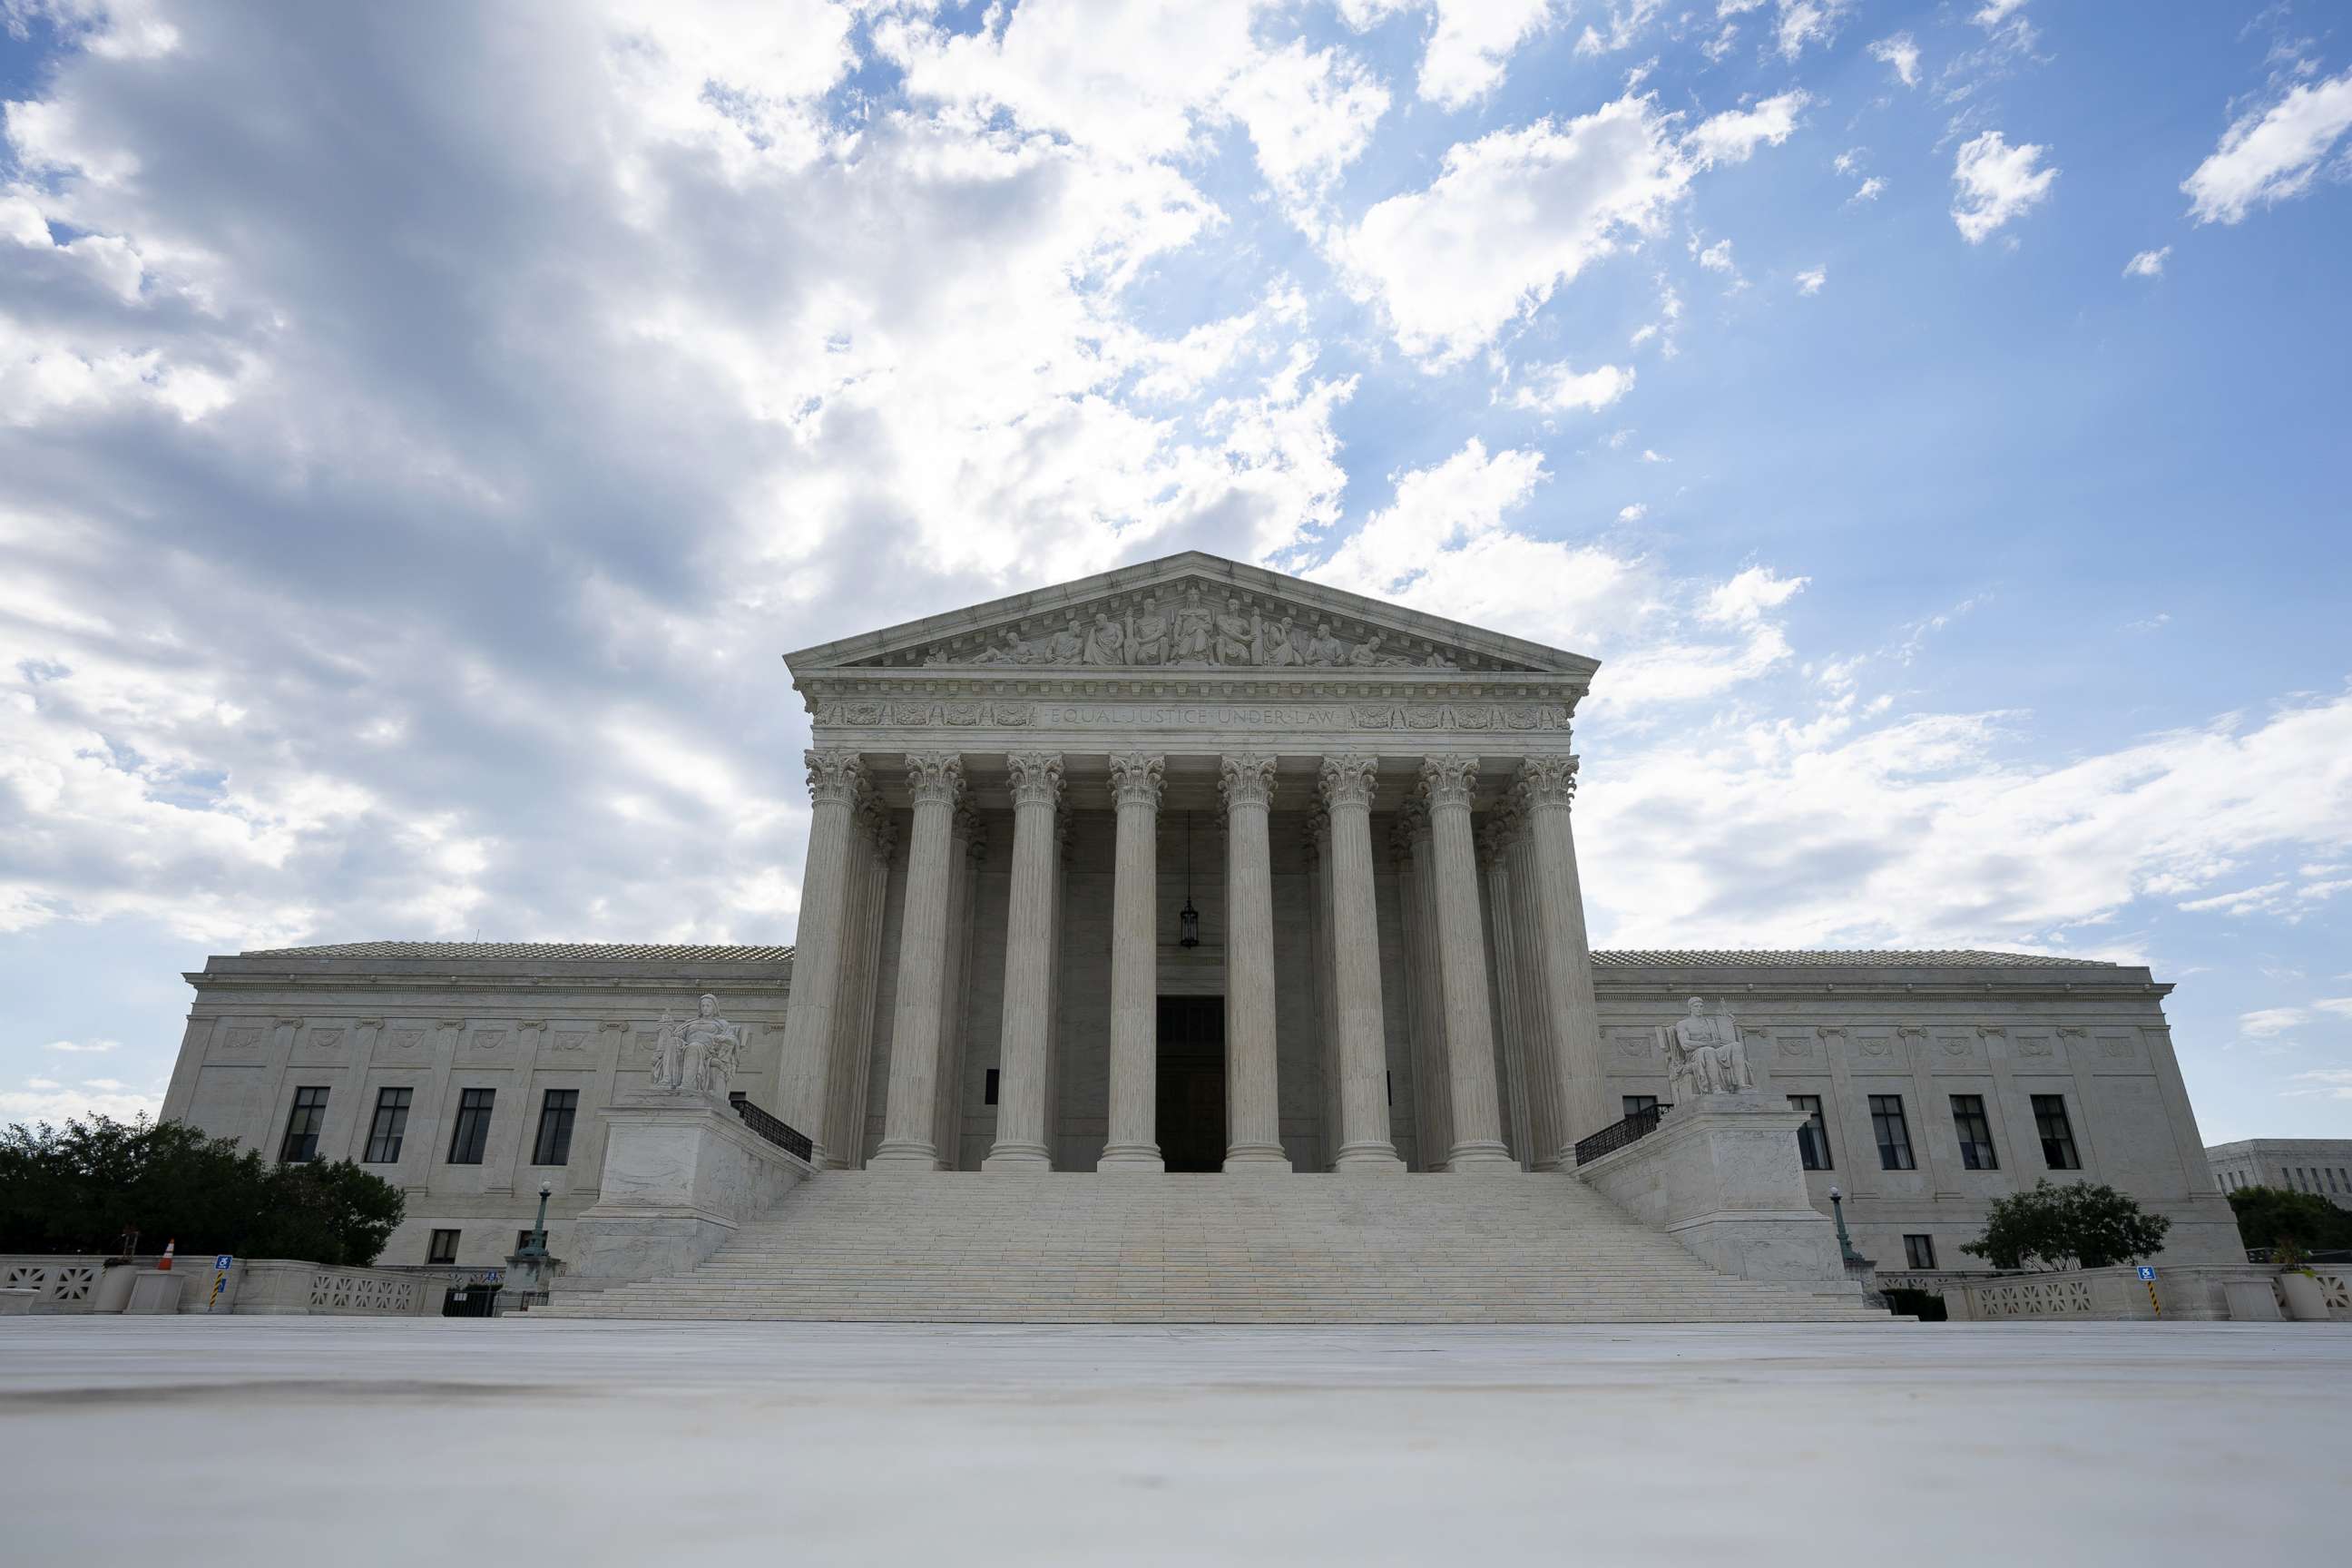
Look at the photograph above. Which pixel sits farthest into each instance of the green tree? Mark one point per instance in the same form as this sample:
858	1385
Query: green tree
2078	1224
2269	1215
80	1187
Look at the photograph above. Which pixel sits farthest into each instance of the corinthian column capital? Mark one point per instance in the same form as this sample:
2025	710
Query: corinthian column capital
1135	779
936	778
1448	778
1245	778
1036	777
1348	781
835	775
1547	782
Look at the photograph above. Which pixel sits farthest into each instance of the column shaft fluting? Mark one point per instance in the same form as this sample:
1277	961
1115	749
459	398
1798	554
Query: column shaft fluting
955	1023
1535	1014
834	778
1549	784
1254	1140
1434	1117
1502	898
1447	780
1348	784
910	1112
1133	1143
1022	1043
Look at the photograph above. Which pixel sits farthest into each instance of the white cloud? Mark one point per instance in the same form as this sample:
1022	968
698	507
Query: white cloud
2268	1023
83	1047
1809	281
2147	263
1996	183
1626	24
2271	155
1993	13
1509	219
1900	52
44	1099
1469	43
1308	115
1733	136
1717	258
1870	190
2341	1007
2327	1083
1804	22
1632	514
1556	387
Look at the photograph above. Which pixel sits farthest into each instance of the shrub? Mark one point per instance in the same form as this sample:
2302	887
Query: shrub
2268	1216
82	1188
2078	1224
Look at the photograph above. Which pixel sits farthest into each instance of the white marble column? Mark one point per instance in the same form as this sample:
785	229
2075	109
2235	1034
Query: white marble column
1134	1145
1447	780
1348	784
1549	784
1539	1052
1024	1057
1434	1117
910	1110
834	777
969	849
853	1023
1315	849
1251	1092
1502	959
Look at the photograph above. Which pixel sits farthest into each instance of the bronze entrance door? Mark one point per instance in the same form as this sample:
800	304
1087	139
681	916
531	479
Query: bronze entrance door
1192	1109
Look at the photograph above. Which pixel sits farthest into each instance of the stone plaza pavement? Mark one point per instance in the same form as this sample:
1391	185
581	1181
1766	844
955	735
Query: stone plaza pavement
363	1441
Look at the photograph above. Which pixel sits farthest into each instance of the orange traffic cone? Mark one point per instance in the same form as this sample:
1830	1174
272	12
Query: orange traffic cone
164	1262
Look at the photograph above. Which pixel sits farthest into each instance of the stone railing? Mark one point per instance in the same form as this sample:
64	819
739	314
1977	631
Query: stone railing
68	1284
2186	1293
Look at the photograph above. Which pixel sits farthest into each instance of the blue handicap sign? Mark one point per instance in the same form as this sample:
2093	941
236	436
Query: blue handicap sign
2146	1272
223	1261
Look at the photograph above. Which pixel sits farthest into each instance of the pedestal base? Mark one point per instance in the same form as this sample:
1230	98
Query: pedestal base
1142	1158
680	1176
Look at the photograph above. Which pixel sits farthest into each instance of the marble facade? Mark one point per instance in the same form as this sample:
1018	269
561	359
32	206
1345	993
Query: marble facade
1372	811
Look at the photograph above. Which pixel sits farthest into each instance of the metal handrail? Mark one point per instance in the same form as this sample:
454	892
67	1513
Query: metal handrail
773	1129
1617	1135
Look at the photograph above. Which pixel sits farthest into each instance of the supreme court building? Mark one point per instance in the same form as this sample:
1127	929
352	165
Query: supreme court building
1192	866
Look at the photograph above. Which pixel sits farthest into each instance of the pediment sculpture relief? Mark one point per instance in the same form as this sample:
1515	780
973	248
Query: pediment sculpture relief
1188	629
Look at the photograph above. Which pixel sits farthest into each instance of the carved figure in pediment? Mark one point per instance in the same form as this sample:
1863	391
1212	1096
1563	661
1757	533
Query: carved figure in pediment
1368	655
1323	648
1437	660
1236	635
1146	641
1006	651
1282	644
1067	645
1196	630
1105	641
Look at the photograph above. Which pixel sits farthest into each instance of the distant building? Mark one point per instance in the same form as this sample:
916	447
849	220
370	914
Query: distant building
2320	1165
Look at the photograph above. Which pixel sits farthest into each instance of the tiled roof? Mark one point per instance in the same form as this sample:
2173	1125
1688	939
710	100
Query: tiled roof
554	951
1861	958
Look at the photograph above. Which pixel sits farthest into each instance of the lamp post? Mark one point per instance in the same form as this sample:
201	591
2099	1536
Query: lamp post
1845	1242
529	1272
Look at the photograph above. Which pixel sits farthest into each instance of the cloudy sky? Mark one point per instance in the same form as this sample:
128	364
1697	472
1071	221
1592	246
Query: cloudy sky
423	426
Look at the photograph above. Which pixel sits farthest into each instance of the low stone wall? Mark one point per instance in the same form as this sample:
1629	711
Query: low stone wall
2190	1293
276	1287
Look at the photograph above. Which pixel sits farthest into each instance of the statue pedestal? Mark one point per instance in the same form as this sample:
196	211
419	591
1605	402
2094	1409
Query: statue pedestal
681	1173
1721	1175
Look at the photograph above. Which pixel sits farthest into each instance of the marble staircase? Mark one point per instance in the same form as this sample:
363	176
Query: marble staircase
867	1246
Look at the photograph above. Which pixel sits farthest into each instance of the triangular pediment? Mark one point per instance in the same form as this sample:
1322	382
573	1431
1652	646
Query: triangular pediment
1191	612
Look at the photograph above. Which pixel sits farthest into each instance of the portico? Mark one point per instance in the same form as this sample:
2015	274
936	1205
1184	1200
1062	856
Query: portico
1372	808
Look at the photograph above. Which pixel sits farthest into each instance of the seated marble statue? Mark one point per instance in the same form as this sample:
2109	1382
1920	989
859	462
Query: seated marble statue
1705	1056
698	1055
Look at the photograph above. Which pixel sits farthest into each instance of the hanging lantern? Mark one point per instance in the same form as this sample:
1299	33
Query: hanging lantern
1188	919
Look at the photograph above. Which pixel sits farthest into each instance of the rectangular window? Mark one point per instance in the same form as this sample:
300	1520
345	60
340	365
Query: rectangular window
472	1133
1635	1104
1920	1251
988	1088
1976	1132
443	1248
310	1114
1894	1133
553	1144
2057	1132
391	1124
1813	1137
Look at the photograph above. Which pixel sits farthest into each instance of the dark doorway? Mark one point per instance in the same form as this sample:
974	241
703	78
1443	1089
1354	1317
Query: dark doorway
1192	1082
